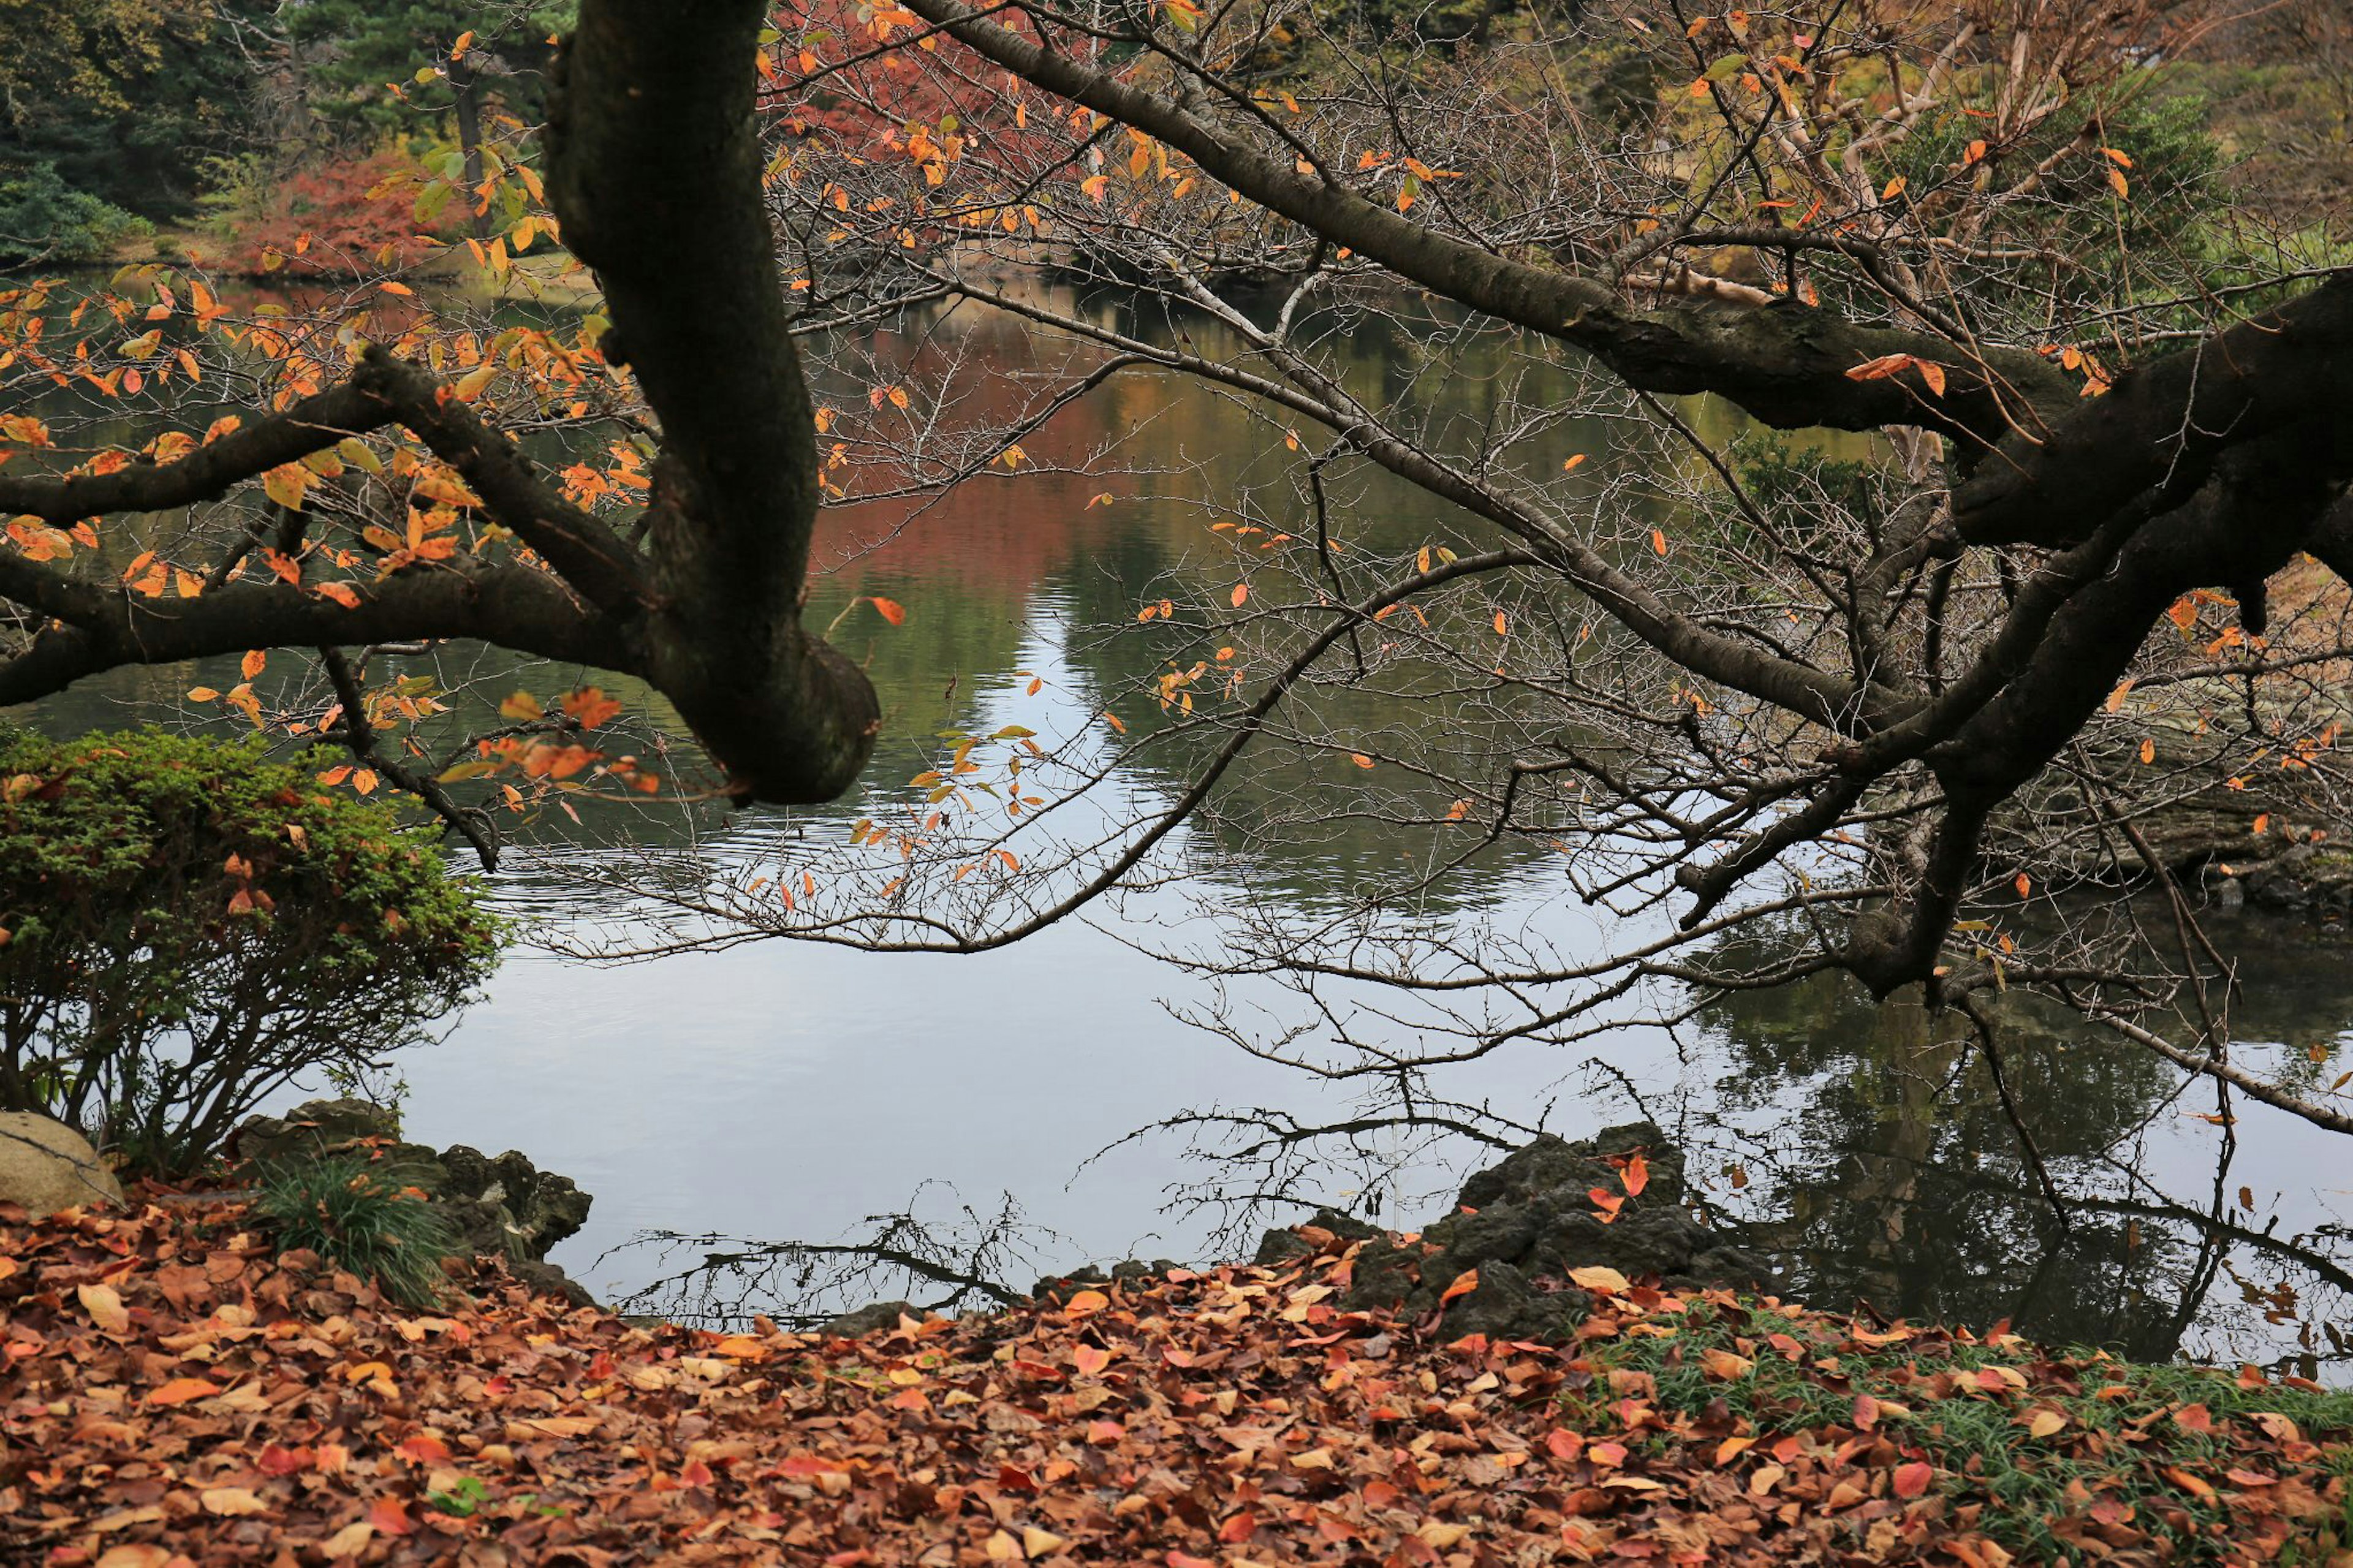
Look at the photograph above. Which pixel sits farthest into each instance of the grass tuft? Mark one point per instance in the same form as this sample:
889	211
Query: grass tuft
344	1209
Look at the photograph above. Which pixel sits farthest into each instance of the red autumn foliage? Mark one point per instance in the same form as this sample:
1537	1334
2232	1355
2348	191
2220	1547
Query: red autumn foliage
346	217
171	1393
834	77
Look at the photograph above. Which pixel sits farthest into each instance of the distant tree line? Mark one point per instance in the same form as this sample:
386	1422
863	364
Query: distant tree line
118	115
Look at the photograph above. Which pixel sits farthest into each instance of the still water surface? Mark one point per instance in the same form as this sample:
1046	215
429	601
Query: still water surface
779	1090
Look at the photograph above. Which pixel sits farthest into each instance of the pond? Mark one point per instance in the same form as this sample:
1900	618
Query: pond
779	1090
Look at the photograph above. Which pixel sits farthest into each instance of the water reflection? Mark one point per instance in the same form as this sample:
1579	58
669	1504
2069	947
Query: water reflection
1873	1147
784	1091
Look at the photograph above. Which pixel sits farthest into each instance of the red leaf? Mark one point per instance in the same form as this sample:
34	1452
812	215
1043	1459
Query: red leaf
890	610
1464	1283
281	1461
1637	1175
390	1518
1912	1479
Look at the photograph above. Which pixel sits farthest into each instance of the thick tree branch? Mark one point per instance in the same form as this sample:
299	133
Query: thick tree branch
518	606
2164	427
1785	364
651	138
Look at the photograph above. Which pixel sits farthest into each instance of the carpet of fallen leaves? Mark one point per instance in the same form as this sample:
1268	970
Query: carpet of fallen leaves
175	1393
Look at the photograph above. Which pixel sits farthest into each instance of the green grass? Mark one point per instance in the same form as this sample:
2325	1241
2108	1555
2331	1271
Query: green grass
353	1214
2123	1438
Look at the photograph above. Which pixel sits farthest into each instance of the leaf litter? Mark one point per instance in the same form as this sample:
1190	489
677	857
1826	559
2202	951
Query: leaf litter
173	1392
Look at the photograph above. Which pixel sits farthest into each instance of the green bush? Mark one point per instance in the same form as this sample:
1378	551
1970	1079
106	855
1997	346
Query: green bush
352	1213
187	926
42	219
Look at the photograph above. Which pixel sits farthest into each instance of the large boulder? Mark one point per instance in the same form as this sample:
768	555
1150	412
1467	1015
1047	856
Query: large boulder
1525	1223
503	1206
46	1167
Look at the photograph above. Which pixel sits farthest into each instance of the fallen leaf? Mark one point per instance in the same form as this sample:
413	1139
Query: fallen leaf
104	1306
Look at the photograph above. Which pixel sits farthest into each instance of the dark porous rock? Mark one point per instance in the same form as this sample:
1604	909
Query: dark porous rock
869	1320
314	1128
546	1278
503	1207
1282	1246
506	1205
1524	1225
1057	1288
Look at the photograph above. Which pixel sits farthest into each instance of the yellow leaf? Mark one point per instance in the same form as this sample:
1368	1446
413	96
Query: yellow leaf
203	694
349	1541
250	666
104	1306
522	705
1601	1278
471	384
1724	1364
285	485
231	1501
2044	1422
2116	698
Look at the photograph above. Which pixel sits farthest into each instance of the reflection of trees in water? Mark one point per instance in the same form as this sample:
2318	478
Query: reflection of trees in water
939	1252
1889	1170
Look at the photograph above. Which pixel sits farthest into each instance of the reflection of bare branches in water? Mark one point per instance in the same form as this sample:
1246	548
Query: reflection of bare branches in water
1400	1154
941	1262
1873	1151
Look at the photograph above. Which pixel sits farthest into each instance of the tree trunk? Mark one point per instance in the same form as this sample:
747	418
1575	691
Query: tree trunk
469	89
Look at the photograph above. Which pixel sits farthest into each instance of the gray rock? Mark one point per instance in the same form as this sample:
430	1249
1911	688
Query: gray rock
1095	1276
1533	1221
46	1165
1282	1245
507	1206
503	1207
869	1320
311	1129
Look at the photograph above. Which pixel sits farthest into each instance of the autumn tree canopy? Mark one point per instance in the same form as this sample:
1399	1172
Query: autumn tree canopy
1881	698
